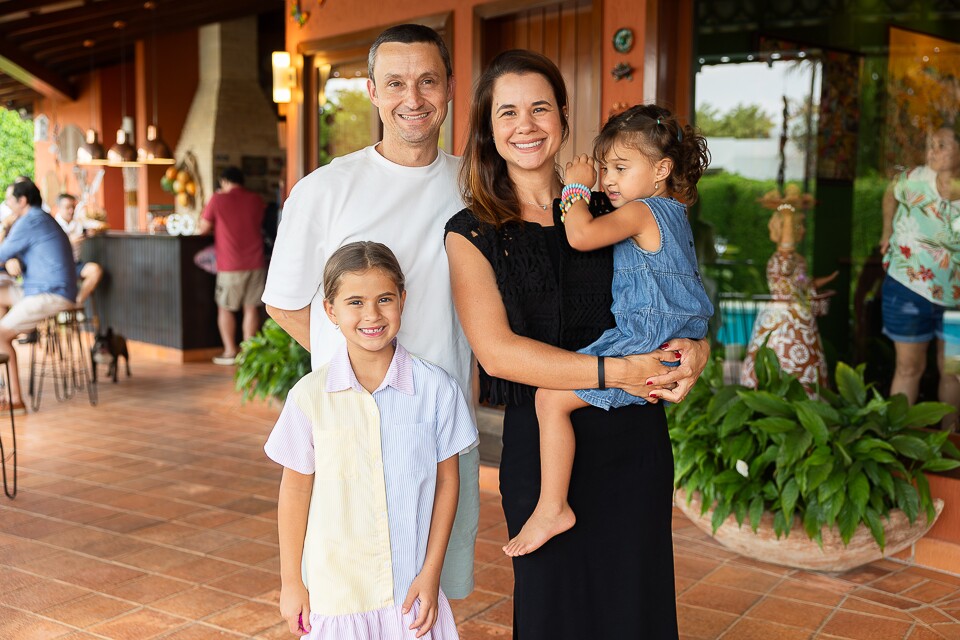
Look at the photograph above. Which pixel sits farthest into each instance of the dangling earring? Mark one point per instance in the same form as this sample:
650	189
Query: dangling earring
656	185
336	326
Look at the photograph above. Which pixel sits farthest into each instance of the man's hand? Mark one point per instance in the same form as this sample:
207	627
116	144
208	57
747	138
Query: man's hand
425	588
295	608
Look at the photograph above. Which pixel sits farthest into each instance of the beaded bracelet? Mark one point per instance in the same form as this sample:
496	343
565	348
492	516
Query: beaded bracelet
570	194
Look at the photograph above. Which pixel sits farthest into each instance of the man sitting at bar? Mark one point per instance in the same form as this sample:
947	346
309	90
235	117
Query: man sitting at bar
89	273
36	245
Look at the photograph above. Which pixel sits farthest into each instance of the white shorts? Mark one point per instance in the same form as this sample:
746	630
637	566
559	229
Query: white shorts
28	311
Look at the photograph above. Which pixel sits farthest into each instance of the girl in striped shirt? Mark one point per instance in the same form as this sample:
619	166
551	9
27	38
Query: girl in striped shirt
369	443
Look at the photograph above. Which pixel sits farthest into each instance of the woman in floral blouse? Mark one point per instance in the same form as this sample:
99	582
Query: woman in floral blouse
921	247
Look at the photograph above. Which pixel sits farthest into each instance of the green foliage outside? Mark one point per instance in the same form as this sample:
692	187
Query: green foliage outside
270	363
728	202
345	123
742	121
843	460
16	146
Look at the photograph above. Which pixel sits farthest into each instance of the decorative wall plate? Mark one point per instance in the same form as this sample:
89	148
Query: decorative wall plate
623	40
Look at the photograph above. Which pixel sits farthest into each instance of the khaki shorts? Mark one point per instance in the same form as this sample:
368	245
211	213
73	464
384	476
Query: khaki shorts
28	311
236	289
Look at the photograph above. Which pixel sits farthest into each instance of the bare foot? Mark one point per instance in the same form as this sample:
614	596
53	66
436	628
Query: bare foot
543	524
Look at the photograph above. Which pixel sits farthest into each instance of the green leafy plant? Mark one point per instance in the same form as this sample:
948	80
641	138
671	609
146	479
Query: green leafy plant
845	459
270	363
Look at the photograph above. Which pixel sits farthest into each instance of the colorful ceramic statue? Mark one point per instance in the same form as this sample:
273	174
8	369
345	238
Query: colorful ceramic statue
788	323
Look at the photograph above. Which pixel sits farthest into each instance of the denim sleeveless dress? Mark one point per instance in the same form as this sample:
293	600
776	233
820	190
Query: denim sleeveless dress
657	295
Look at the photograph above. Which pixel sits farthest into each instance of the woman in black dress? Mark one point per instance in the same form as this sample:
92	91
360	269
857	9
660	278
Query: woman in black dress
527	301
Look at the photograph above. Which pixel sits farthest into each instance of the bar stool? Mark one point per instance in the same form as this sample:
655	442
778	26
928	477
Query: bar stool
62	349
8	442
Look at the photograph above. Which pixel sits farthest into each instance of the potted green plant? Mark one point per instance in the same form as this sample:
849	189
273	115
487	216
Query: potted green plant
848	468
270	363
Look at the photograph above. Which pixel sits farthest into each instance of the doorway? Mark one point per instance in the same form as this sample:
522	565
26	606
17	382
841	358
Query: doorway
565	33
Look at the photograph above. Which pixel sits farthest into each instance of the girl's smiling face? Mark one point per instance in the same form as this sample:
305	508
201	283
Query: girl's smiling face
367	307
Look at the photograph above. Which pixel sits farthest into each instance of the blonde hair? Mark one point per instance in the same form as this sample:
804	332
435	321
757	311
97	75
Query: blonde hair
357	257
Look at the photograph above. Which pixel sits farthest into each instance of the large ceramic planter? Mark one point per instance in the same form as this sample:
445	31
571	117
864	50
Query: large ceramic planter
799	551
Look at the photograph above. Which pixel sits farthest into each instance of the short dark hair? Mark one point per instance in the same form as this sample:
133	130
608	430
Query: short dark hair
232	174
409	34
26	189
66	196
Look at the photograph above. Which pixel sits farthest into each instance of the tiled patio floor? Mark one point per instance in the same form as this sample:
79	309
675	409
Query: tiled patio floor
152	516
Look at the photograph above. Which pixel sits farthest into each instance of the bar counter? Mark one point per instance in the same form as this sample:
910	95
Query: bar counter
152	291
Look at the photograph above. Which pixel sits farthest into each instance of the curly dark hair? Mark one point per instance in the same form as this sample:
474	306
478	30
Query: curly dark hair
657	134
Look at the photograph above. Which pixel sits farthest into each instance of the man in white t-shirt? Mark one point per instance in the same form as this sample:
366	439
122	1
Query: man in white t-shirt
399	192
88	273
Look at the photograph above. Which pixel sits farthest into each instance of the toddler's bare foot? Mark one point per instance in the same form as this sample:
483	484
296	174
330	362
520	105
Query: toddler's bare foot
542	525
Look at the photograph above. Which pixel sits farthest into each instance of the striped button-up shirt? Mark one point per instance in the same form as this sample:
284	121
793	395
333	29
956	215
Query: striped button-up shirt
374	459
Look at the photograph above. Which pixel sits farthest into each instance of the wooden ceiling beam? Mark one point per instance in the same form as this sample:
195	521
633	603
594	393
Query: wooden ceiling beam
19	6
93	17
109	42
26	70
103	13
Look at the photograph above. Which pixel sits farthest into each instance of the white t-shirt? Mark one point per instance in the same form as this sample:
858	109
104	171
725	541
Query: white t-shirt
364	196
73	229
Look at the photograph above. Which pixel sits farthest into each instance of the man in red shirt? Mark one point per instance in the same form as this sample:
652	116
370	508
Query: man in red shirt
234	215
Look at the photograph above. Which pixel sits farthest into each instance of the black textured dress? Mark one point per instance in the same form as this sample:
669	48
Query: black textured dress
611	576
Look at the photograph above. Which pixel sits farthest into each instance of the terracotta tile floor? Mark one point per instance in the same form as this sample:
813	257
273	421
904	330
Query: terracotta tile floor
152	516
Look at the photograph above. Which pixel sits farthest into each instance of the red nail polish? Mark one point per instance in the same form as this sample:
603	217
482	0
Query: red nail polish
649	383
664	345
655	396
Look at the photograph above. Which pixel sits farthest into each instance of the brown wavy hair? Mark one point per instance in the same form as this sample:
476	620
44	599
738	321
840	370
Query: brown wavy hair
657	134
357	257
486	188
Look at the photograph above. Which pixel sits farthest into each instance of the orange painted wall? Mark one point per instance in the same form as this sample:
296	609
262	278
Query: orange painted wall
178	73
177	77
348	16
46	166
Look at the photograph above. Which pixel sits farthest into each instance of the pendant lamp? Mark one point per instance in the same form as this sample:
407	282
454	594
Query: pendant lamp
90	150
154	150
122	153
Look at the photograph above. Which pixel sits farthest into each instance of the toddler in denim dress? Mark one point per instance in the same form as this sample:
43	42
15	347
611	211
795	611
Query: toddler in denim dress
647	160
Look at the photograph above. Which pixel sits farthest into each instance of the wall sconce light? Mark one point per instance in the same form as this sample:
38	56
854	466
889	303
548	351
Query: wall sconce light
284	77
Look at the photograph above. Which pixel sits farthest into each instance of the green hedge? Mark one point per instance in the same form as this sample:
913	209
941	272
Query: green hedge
728	202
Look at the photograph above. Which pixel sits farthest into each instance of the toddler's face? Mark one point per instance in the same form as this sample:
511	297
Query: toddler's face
627	174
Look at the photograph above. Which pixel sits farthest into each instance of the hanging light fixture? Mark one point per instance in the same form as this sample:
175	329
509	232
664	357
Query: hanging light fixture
122	153
91	151
154	150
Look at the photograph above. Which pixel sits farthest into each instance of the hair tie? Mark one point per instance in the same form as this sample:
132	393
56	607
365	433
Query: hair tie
679	133
658	122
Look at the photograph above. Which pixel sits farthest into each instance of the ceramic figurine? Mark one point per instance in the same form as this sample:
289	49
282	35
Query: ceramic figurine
788	323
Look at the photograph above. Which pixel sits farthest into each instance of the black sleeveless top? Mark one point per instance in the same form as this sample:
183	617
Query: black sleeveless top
552	293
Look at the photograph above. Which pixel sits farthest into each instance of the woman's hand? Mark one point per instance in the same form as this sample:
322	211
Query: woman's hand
426	588
639	369
581	170
693	356
295	607
12	267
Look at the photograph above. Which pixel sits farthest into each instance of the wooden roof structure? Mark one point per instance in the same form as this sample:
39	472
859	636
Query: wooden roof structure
44	44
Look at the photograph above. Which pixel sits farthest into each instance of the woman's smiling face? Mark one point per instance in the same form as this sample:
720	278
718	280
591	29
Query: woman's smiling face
527	128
